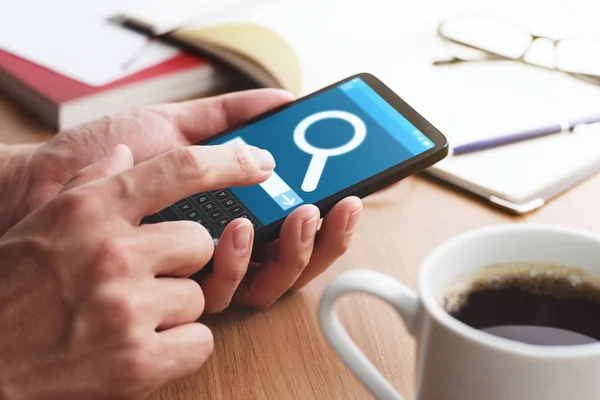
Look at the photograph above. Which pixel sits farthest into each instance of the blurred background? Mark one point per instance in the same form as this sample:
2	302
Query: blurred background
475	69
331	38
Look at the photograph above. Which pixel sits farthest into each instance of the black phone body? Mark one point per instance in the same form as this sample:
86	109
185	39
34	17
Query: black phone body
351	138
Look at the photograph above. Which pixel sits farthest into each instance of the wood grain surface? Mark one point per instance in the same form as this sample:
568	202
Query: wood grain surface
280	353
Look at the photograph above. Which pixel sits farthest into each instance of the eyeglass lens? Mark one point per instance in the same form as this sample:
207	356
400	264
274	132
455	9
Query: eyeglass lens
510	40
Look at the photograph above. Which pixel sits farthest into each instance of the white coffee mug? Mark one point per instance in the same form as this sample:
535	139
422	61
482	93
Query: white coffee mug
455	361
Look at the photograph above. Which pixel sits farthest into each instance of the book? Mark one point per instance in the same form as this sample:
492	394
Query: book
62	102
258	52
252	50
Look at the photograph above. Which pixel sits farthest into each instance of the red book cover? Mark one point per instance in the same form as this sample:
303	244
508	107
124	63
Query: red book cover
60	89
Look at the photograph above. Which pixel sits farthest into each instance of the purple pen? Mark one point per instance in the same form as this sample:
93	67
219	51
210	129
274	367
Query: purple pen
565	127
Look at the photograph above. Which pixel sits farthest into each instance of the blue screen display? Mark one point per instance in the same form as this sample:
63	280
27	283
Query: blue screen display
325	144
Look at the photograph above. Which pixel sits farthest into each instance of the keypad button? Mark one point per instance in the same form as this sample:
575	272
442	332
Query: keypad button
208	207
221	194
192	215
229	202
185	207
223	222
216	214
201	198
236	210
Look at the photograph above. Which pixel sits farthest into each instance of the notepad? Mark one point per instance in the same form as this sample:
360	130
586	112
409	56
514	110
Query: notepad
523	177
479	100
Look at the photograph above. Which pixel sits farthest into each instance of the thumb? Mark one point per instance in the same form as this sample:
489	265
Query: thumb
116	161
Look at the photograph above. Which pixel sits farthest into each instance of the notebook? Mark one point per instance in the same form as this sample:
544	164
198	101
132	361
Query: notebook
472	101
62	102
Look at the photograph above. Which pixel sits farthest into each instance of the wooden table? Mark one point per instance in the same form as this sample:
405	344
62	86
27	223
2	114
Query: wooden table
280	353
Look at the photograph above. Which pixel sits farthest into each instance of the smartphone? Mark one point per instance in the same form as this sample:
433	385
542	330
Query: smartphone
351	138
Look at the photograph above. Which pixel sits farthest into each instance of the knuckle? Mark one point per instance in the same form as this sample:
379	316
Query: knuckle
243	159
122	186
119	311
185	160
159	111
135	372
300	263
82	203
232	274
341	249
113	259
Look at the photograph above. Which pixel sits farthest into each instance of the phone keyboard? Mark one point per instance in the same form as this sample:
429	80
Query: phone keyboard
213	209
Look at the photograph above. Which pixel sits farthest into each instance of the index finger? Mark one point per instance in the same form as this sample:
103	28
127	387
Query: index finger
157	183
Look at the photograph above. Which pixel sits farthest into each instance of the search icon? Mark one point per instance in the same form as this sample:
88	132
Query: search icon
317	163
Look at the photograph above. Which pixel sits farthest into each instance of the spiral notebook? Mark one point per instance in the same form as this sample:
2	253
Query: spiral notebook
478	100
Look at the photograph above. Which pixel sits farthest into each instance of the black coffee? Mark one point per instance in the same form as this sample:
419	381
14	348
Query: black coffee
536	304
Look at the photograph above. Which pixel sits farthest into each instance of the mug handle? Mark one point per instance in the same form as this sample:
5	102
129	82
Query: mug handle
379	285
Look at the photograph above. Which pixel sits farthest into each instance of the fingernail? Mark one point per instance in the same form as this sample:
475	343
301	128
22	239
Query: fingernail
309	229
241	237
263	158
352	220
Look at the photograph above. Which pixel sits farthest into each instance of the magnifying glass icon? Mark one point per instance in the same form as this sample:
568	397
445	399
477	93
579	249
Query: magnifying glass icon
319	156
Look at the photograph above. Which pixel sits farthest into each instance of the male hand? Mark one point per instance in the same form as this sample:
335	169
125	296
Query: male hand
291	262
95	306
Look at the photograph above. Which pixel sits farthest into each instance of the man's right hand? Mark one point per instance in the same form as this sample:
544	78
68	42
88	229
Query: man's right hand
94	306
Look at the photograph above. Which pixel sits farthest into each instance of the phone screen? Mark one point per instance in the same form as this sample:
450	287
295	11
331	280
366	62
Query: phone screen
321	145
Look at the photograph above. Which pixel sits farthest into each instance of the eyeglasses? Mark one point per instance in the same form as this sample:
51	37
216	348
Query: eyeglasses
486	38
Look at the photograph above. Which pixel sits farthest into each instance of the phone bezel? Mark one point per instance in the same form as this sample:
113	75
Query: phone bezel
268	233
